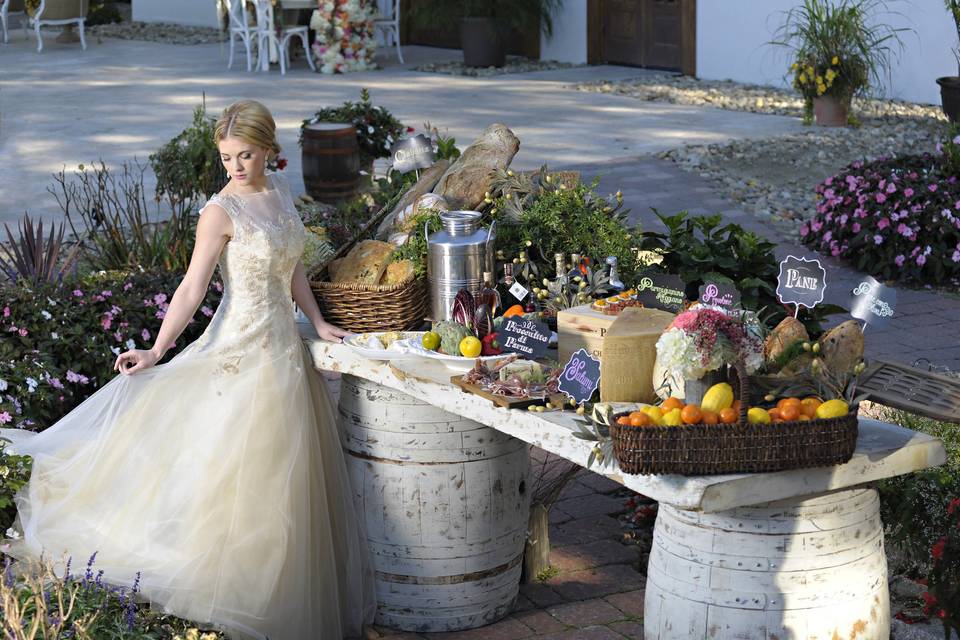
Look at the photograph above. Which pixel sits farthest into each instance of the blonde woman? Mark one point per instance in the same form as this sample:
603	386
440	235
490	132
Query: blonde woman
219	476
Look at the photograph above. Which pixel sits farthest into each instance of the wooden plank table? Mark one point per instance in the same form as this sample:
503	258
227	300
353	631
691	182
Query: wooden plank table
785	554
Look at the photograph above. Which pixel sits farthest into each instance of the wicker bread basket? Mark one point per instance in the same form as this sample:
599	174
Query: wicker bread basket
702	449
362	308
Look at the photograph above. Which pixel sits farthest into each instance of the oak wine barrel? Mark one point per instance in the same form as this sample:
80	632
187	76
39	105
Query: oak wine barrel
330	158
445	504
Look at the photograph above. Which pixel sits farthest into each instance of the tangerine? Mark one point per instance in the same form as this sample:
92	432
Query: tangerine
634	414
623	421
691	414
790	412
671	403
808	406
640	420
736	406
805	418
788	402
728	415
709	417
775	413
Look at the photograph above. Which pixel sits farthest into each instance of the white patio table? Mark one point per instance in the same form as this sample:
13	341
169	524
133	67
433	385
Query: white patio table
792	554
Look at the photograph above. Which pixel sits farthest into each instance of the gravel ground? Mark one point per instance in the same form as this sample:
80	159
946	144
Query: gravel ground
158	32
774	177
515	64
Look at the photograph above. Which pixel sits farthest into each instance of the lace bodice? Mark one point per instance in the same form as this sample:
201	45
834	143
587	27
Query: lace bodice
256	266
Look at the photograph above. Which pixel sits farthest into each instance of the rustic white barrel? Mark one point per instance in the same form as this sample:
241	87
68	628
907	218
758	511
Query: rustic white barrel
812	568
445	503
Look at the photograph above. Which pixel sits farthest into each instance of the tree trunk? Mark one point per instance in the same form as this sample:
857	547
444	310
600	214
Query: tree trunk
536	554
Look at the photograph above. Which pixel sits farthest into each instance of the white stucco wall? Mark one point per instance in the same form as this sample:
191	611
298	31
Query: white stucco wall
569	40
731	37
201	13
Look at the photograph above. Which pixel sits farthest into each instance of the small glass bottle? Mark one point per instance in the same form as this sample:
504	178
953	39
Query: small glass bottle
488	294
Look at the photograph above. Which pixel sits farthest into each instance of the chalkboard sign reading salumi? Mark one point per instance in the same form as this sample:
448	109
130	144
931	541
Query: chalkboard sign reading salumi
528	338
413	153
580	377
801	282
720	294
661	291
873	302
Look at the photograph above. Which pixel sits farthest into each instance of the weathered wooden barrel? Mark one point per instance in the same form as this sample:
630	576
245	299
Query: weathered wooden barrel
812	568
445	502
330	157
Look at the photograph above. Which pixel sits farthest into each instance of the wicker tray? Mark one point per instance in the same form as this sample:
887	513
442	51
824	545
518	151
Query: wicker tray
703	449
361	308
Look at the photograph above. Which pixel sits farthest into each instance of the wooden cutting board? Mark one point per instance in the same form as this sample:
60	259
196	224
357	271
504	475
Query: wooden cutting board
505	401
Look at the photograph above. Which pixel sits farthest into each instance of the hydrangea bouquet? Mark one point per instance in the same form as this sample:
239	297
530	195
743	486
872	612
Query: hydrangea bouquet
706	338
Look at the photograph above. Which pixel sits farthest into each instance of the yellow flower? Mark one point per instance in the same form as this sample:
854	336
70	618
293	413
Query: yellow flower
835	61
802	78
794	66
819	79
193	634
831	74
810	71
208	636
821	89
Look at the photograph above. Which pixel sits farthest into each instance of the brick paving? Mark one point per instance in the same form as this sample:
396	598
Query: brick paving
926	324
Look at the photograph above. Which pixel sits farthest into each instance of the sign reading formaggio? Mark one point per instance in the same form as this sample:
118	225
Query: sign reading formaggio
413	153
801	282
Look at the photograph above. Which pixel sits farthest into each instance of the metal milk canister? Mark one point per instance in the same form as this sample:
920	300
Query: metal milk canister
457	257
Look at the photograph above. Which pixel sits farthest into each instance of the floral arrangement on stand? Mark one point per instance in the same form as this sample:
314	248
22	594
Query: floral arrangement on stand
942	599
704	339
345	40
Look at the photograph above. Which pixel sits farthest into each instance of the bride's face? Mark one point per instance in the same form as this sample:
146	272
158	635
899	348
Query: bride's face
243	161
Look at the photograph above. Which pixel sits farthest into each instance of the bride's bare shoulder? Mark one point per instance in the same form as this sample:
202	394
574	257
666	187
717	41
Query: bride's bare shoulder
214	220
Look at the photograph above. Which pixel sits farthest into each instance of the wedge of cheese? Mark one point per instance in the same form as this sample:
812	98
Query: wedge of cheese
629	353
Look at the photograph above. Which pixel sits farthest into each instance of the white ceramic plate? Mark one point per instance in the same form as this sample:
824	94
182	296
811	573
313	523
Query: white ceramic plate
360	343
454	362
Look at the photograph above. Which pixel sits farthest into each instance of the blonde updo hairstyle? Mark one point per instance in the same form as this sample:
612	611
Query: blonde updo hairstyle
251	122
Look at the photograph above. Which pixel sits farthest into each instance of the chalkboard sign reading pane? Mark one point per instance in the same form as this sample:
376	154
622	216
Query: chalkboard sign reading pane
528	338
801	282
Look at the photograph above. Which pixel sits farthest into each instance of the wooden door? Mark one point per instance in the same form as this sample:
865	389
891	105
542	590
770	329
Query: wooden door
644	33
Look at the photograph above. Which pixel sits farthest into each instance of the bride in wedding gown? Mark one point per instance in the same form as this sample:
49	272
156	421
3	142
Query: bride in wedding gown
218	477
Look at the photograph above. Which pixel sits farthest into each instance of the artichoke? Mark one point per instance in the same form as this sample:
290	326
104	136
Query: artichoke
451	333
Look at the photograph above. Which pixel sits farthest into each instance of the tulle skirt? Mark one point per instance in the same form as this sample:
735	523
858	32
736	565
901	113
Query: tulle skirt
221	480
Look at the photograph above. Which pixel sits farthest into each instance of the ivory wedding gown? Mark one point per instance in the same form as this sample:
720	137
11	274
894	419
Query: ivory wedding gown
219	475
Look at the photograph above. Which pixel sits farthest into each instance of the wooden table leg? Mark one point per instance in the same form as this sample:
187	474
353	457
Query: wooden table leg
799	568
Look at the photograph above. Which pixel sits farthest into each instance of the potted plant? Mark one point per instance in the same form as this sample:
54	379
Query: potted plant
485	24
950	85
840	49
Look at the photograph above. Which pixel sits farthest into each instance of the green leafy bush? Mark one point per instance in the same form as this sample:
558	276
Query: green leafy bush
541	215
700	248
14	473
377	129
189	167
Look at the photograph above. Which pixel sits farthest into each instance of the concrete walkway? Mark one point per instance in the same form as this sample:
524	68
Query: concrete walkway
123	99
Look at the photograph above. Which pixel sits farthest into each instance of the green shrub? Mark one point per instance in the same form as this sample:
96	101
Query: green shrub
377	128
189	167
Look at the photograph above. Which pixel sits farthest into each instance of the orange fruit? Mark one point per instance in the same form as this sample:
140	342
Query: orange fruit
788	402
671	403
808	406
640	420
804	418
634	414
691	414
728	415
736	406
709	417
623	421
790	412
775	414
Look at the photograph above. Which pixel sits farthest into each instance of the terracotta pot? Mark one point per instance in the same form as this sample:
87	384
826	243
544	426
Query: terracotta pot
830	111
482	42
950	96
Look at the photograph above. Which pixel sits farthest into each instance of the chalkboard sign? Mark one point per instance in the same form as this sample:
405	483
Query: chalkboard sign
873	302
580	377
413	153
720	294
801	282
528	338
661	291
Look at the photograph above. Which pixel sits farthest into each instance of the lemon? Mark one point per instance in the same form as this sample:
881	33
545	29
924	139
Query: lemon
656	415
431	341
832	409
717	398
470	347
673	418
757	415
